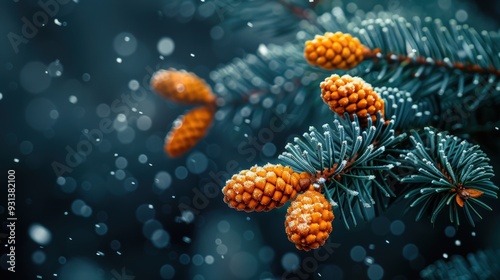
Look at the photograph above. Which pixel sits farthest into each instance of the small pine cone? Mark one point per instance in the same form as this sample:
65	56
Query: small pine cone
351	95
188	130
263	188
181	86
309	220
334	51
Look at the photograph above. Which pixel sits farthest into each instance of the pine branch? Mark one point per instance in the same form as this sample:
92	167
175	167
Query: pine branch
278	73
420	75
349	162
480	265
273	81
394	39
283	15
259	15
424	58
453	90
451	173
419	56
276	18
406	112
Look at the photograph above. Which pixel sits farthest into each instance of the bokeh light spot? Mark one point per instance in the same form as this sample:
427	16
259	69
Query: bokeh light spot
167	271
125	44
197	163
410	251
358	253
33	77
290	261
40	234
165	46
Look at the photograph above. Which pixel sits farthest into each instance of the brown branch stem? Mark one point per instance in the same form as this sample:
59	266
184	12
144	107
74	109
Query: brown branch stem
376	54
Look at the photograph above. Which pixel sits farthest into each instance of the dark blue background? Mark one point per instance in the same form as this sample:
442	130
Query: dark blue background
84	47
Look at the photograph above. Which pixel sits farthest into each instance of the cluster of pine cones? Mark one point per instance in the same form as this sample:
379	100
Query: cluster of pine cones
309	217
186	88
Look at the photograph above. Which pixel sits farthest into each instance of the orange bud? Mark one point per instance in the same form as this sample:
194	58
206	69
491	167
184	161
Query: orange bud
181	86
334	51
263	188
351	95
188	130
309	220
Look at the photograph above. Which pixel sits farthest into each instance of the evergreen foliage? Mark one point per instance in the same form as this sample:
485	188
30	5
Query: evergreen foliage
436	78
433	76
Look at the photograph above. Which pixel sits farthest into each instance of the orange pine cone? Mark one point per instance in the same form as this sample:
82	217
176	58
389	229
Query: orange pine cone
188	130
309	220
334	51
263	188
181	86
351	95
